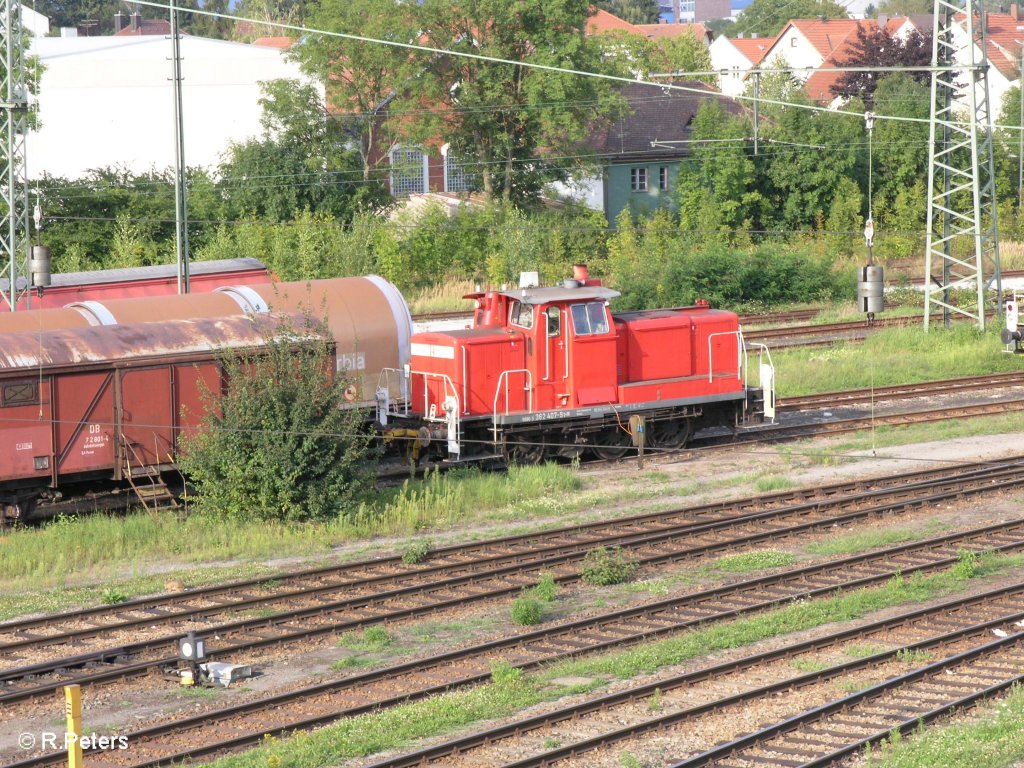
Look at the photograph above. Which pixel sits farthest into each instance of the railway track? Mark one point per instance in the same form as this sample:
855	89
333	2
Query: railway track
692	695
779	433
246	724
829	733
920	389
386	573
649	542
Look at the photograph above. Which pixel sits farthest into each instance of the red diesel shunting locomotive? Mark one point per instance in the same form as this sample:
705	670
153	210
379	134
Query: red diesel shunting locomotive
549	372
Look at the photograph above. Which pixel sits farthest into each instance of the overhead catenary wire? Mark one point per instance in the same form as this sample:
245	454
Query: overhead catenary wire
434	50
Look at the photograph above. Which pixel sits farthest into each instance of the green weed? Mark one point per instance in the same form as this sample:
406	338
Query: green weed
753	561
113	596
605	566
526	611
416	552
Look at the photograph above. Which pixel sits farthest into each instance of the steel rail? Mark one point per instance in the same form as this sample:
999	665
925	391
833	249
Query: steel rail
759	589
771	434
847	705
237	588
982	473
920	389
663	685
1010	477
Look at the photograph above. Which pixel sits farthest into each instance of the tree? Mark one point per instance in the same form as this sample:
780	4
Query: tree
81	13
633	11
875	46
719	173
807	155
682	53
768	17
507	119
905	7
300	163
279	444
201	25
360	78
86	215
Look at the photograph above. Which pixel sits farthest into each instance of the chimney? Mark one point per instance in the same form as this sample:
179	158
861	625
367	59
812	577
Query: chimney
136	21
883	19
118	22
739	35
1015	11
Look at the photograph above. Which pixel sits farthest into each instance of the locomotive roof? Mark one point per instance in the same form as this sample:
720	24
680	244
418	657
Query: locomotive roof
561	293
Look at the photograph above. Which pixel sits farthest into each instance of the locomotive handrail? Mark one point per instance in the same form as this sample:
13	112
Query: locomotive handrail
740	354
765	370
449	386
497	391
398	407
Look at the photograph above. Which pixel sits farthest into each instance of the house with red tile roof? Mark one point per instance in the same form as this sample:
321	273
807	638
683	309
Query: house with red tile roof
601	21
137	26
1004	40
734	57
659	31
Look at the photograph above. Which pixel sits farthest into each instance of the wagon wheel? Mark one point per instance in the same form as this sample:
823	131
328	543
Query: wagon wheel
671	433
525	450
612	444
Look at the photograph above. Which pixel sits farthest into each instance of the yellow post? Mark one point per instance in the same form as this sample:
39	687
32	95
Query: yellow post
73	710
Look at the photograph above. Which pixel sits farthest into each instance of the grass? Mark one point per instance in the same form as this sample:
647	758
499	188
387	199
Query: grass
809	665
752	561
859	651
890	436
992	738
850	544
116	551
892	356
446	297
370	640
508	693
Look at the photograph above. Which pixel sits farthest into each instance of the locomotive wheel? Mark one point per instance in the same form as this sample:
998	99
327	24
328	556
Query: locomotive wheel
612	444
671	433
525	450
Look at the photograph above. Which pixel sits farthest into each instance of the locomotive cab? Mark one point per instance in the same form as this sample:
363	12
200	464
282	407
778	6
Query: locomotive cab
552	372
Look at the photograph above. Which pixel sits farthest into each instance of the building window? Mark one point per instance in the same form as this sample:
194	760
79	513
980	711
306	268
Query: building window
456	177
792	42
638	179
663	179
19	393
408	171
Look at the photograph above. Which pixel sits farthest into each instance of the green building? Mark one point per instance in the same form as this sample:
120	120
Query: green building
644	150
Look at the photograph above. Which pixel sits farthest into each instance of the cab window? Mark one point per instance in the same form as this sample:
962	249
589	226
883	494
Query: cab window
554	315
522	315
589	319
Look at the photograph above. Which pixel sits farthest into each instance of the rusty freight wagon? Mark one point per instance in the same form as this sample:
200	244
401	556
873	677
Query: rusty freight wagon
107	399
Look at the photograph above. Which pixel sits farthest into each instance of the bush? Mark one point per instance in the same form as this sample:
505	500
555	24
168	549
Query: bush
278	444
113	596
603	567
527	611
416	552
547	588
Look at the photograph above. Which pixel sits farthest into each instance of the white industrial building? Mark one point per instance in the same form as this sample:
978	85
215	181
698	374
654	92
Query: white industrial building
108	101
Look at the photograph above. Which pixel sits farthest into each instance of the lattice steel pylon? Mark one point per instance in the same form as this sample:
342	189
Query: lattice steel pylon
14	233
962	235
